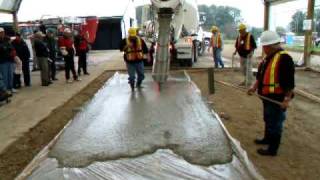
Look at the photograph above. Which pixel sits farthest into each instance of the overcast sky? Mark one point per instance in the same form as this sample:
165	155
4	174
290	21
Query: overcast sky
252	10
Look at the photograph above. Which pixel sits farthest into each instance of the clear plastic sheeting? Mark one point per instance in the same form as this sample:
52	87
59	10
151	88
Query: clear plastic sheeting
9	5
162	165
146	134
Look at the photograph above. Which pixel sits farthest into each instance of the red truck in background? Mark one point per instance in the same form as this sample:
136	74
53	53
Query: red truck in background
90	27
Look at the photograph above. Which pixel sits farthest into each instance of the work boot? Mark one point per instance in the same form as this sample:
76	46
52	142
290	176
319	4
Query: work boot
261	141
264	140
132	86
266	152
274	144
139	85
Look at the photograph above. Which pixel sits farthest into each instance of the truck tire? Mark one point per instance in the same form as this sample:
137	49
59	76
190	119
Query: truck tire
195	51
190	61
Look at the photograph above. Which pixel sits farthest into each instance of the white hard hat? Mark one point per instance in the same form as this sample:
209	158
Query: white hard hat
269	37
1	29
67	30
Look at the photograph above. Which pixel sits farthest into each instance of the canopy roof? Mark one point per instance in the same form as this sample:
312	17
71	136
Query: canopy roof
9	6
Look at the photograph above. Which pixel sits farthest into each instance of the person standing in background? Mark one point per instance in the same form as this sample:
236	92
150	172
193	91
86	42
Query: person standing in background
24	54
7	54
245	46
217	45
82	48
67	50
52	45
42	53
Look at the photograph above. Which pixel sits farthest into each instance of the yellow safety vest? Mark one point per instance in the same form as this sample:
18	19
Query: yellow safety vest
271	84
216	41
134	53
247	42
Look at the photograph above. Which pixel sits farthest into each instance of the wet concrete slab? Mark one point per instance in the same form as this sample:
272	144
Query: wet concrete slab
146	134
118	123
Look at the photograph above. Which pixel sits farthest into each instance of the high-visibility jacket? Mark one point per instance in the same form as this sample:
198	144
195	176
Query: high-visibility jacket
271	83
134	53
216	41
247	42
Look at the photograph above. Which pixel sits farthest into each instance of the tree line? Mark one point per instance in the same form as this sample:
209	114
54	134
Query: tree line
225	17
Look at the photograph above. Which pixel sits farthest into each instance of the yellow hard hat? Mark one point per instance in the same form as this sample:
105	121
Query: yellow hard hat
242	27
132	31
214	28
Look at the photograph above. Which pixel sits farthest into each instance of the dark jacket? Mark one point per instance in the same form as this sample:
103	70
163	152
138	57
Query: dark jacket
286	74
241	49
81	44
52	45
41	48
22	49
123	44
7	51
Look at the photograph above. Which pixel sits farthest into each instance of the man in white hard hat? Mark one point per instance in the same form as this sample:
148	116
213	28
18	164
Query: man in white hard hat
245	46
275	80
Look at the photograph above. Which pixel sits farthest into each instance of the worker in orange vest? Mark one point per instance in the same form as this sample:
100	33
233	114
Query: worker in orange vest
245	46
275	80
134	49
217	44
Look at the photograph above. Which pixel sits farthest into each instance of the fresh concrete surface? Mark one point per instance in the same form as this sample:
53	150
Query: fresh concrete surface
118	123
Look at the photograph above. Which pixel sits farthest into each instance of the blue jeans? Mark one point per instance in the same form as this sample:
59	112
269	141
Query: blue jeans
132	69
6	70
217	57
2	85
274	117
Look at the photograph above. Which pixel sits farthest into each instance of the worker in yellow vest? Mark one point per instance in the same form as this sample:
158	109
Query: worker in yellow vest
245	46
134	49
275	80
216	44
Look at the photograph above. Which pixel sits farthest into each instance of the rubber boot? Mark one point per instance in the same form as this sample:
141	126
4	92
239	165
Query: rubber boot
139	84
273	147
132	86
263	141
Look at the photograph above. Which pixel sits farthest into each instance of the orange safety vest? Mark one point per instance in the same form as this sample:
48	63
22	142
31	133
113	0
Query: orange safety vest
271	83
134	53
216	41
247	42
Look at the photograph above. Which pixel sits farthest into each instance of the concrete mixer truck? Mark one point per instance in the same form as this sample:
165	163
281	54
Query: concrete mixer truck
173	28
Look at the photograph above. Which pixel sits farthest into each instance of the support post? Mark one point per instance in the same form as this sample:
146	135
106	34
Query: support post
266	15
308	35
211	80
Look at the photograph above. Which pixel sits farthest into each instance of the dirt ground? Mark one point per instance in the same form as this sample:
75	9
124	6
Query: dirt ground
299	155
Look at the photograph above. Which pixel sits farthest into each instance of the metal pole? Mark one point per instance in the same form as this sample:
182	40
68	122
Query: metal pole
308	34
160	71
266	15
211	80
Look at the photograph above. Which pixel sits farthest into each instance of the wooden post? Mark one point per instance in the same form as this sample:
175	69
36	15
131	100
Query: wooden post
308	35
266	15
211	80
